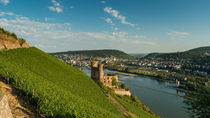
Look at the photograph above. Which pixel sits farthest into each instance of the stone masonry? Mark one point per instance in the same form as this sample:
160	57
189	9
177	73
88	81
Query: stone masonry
97	74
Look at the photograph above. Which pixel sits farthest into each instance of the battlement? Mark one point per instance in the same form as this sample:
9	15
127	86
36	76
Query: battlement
94	64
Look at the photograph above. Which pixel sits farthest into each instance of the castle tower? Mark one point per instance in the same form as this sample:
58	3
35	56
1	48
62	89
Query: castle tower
101	72
97	72
94	66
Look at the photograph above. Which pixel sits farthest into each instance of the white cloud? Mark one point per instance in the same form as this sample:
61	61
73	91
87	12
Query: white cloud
109	20
71	7
144	42
4	2
178	35
48	19
56	7
119	34
103	2
60	37
140	37
116	14
115	28
138	28
6	13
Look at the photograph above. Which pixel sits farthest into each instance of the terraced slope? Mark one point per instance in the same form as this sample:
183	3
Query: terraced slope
56	88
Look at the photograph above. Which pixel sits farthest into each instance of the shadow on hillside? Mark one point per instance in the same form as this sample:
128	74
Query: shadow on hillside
27	110
25	107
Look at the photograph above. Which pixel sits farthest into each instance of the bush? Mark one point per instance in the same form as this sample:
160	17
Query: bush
21	40
114	81
122	85
13	35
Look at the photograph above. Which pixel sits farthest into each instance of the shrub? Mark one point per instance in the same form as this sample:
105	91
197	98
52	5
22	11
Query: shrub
21	40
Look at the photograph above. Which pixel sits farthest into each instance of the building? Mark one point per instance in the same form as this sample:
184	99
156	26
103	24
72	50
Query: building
97	74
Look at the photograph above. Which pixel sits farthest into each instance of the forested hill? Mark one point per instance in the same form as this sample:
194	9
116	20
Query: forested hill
196	53
200	49
99	53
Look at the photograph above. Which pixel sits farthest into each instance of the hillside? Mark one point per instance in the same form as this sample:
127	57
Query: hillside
56	88
196	54
200	49
10	40
99	53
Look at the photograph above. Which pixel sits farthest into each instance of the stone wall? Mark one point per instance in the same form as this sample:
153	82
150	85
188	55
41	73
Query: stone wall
4	108
122	92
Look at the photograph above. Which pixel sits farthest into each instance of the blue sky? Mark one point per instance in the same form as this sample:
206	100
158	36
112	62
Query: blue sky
133	26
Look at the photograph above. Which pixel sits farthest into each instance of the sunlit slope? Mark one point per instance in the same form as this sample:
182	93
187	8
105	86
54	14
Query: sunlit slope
57	89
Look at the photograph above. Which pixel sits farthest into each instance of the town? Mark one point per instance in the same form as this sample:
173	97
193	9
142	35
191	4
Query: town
159	65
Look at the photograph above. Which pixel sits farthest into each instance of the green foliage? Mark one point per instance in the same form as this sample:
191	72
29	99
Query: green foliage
159	75
99	53
4	32
135	106
200	49
134	98
21	40
195	54
13	35
123	86
57	89
114	81
198	102
132	104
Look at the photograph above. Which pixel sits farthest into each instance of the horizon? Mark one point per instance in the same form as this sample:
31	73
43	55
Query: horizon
139	26
128	52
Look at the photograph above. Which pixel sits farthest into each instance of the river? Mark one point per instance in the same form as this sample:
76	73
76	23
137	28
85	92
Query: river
162	100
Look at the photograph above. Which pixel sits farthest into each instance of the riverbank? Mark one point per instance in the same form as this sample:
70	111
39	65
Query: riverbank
153	76
152	94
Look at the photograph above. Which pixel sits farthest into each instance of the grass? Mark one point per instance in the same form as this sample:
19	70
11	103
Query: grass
57	89
139	111
131	103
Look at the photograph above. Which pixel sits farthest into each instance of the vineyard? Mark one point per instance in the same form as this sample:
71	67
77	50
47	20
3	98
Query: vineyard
55	88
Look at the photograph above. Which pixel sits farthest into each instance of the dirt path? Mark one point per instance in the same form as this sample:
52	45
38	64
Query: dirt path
122	108
18	105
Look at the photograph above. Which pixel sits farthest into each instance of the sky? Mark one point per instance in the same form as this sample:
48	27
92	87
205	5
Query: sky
133	26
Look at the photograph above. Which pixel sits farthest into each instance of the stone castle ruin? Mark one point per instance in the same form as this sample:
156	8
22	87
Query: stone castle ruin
97	74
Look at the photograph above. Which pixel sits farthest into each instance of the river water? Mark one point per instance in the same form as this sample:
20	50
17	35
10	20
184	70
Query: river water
162	100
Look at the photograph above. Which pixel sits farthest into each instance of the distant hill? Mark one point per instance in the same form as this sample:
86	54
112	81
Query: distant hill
99	53
200	49
196	53
138	55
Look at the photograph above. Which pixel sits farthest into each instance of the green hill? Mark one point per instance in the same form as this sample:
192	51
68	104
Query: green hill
196	54
200	49
99	53
56	88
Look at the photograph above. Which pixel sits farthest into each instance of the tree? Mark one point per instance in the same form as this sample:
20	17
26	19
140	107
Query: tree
123	85
21	40
14	35
114	81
